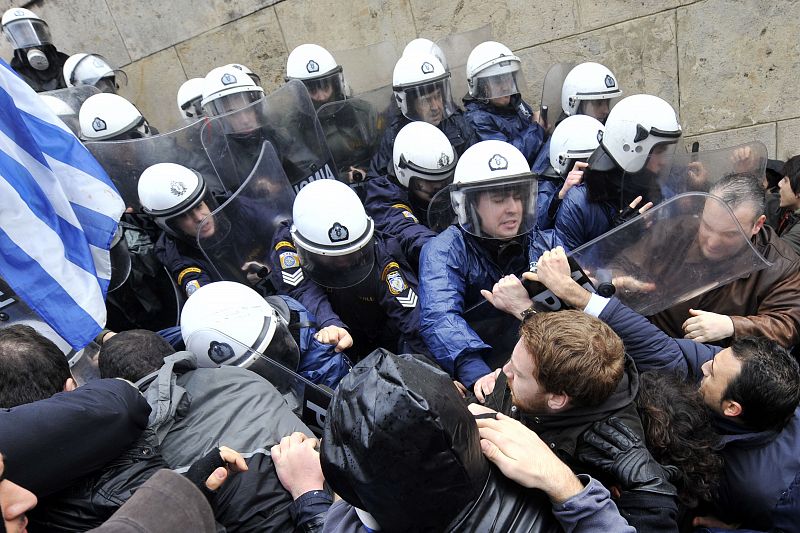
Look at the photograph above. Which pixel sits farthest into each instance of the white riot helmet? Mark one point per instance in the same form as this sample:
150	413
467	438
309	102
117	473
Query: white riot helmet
190	93
319	72
574	139
177	199
25	30
635	127
493	71
225	310
95	70
253	76
587	81
494	193
227	89
62	111
422	45
424	160
107	117
333	234
421	88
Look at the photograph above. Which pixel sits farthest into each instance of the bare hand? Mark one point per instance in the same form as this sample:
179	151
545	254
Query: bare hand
485	385
297	464
523	457
707	327
462	390
255	271
631	284
354	175
744	159
552	270
234	462
698	175
508	295
574	177
712	521
335	335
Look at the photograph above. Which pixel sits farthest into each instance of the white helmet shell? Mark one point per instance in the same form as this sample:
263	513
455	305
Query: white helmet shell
25	29
190	93
309	61
488	60
416	76
421	45
222	310
575	137
226	81
57	105
104	116
634	126
69	66
253	76
421	150
587	81
90	69
501	171
168	188
333	234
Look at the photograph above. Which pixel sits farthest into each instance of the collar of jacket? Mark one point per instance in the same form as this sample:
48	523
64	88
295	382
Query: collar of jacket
733	434
564	429
501	253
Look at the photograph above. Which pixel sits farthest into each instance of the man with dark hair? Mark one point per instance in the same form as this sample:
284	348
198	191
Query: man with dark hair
789	200
26	378
133	354
752	389
567	373
764	303
197	409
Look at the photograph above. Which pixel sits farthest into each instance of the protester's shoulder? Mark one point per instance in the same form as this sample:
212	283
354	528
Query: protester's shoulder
342	518
776	249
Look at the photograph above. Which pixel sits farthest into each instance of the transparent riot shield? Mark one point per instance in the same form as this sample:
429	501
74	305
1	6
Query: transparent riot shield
368	68
551	109
124	161
700	170
287	120
456	48
236	237
13	310
66	103
352	132
683	247
308	401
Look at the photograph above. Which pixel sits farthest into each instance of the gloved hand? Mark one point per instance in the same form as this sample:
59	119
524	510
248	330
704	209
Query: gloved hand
614	448
210	471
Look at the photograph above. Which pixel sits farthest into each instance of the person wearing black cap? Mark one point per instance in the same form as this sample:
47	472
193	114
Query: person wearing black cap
404	453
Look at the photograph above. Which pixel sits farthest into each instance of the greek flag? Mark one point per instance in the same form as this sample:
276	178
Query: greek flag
58	215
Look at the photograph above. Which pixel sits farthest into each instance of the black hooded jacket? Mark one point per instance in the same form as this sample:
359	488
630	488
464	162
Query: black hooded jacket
400	444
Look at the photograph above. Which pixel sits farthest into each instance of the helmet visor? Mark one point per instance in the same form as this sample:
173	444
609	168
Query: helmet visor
282	347
338	271
27	33
140	131
431	102
93	68
424	189
241	113
328	88
500	209
498	85
192	108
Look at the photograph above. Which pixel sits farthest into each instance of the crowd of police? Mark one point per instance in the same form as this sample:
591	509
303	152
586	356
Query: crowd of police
385	311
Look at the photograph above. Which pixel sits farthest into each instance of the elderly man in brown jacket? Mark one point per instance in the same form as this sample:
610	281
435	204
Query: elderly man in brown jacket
766	302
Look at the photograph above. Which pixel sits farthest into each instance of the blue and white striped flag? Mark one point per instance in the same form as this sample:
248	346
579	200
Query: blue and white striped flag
58	214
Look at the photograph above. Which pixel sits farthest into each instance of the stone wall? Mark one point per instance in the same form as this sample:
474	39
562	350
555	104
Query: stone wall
729	66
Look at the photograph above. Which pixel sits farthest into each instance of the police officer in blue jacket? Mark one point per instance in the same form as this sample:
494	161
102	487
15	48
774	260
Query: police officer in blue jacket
494	197
423	164
243	326
588	89
494	106
354	280
635	149
422	91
